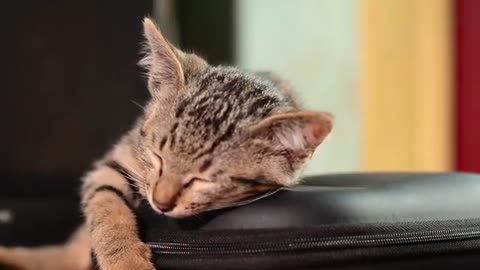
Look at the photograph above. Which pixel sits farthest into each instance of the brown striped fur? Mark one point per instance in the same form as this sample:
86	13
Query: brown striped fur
209	138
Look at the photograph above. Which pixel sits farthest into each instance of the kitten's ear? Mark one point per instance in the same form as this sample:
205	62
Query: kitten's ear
300	133
191	63
163	66
167	66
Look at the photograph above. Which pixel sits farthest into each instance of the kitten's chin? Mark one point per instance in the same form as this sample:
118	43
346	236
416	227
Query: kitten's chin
174	213
179	214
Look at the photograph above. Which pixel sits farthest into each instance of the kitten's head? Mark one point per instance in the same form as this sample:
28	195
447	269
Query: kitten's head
215	136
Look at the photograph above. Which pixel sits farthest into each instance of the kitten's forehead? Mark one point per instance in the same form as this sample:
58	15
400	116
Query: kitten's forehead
217	105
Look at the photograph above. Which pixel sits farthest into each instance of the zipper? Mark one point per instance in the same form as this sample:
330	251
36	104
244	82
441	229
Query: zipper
314	243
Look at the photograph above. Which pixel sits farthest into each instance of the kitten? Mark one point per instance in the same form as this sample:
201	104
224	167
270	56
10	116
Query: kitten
210	137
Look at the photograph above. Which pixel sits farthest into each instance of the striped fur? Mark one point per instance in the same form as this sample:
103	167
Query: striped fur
210	138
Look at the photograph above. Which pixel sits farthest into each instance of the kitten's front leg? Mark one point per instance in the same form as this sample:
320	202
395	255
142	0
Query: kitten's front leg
107	205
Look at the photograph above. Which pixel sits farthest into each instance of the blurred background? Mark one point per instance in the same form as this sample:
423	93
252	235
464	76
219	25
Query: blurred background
399	75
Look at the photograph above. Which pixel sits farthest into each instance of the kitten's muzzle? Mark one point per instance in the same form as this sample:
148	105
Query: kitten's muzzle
164	207
165	195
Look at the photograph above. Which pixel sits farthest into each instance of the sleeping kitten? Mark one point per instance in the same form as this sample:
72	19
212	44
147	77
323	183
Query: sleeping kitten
210	137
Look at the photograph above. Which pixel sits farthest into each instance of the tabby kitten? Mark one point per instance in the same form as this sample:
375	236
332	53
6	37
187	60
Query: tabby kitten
210	137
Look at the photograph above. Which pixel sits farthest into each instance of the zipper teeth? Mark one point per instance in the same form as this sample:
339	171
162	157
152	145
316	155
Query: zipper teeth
313	243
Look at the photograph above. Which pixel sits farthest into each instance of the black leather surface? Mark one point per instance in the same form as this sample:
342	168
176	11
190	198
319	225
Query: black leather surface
347	199
373	204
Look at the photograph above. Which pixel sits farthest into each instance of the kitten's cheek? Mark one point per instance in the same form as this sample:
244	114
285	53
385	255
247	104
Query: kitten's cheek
184	209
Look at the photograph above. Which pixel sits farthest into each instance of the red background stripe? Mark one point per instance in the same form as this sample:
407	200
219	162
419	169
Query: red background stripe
468	84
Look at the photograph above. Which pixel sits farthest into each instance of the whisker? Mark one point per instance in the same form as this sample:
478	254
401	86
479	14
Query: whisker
243	202
134	186
138	104
132	172
133	178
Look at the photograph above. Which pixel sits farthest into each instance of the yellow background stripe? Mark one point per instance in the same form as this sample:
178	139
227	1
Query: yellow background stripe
406	84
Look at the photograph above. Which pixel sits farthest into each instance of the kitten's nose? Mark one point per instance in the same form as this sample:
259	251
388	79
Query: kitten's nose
165	194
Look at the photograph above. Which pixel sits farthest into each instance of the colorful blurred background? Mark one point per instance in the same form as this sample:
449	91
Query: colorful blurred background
399	75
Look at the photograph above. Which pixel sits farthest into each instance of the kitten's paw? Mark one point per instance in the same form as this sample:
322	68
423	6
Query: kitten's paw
130	264
7	258
4	253
136	257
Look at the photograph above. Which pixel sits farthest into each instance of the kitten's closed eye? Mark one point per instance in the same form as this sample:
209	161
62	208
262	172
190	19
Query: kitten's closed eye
193	180
157	161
